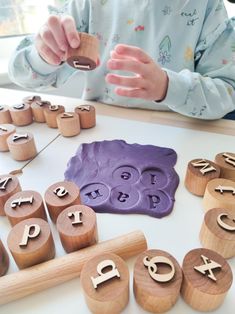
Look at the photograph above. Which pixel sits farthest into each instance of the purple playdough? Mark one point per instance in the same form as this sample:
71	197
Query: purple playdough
116	177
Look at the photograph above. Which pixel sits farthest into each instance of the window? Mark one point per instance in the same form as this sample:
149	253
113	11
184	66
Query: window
19	17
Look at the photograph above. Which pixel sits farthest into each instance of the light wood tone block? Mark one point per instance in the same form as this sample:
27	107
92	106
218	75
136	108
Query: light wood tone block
226	162
5	131
24	205
199	173
30	242
38	108
86	56
157	281
105	283
77	227
59	196
21	114
9	185
207	279
29	100
218	231
68	124
4	260
51	113
87	116
220	193
22	146
52	273
5	116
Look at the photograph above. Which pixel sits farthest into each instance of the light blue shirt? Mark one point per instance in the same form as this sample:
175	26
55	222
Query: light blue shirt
194	43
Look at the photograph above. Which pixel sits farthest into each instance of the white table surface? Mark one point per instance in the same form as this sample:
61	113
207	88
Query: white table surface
177	233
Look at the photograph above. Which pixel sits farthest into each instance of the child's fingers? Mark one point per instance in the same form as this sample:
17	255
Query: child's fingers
131	92
128	65
46	53
134	52
126	81
47	37
54	24
70	31
115	55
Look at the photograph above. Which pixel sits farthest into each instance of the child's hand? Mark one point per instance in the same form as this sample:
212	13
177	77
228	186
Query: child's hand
149	82
55	37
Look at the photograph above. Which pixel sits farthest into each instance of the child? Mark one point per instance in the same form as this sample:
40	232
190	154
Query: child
163	55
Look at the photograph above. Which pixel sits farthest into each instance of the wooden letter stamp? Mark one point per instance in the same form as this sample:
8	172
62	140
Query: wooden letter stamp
51	112
85	57
207	279
24	205
68	124
87	116
21	114
105	283
220	193
22	146
30	242
199	173
61	195
5	117
157	281
226	162
38	108
5	131
4	260
29	100
218	231
77	227
9	185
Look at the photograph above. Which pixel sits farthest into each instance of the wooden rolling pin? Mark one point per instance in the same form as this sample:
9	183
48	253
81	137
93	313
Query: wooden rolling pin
54	272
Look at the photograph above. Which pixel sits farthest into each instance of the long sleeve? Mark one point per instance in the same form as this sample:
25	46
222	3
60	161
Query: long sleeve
29	70
208	92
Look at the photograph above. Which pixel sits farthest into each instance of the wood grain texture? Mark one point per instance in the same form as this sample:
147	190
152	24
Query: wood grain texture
110	296
22	149
54	272
38	108
5	131
198	290
195	180
21	117
37	250
75	235
9	186
25	210
227	168
5	116
214	198
51	113
151	295
68	124
213	236
56	204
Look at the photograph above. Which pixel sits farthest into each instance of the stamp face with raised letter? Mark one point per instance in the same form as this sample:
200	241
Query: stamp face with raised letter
117	177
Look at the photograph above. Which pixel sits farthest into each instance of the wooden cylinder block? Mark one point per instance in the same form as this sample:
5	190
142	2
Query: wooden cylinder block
86	115
68	124
105	283
61	195
38	108
218	231
5	131
51	113
220	193
207	279
22	146
157	281
86	56
199	173
24	205
226	162
4	260
5	117
77	227
21	114
30	242
29	100
9	185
